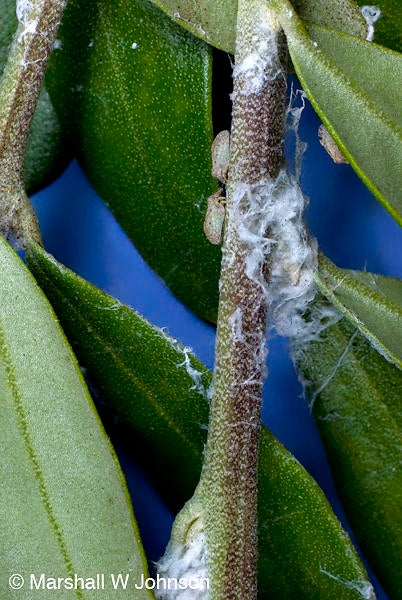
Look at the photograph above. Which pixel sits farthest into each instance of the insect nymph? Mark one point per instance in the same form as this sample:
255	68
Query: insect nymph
215	215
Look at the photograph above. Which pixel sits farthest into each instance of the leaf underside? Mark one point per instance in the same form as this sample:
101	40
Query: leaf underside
354	87
371	302
158	388
64	507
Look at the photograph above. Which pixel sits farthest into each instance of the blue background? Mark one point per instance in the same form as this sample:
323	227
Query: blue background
351	228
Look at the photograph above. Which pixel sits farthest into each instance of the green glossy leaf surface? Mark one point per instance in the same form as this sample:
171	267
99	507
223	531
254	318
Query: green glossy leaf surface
215	20
47	153
8	25
136	91
372	302
64	507
153	384
354	86
356	398
388	29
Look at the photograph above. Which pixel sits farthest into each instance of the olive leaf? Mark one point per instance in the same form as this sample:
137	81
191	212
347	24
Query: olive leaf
356	58
135	91
47	153
160	389
356	396
8	26
211	20
388	28
354	87
372	302
215	21
64	507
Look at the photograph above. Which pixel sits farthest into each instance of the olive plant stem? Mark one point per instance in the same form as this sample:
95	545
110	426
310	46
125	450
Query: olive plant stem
20	85
230	472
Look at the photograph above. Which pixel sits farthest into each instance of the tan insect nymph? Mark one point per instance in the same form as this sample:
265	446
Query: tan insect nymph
215	215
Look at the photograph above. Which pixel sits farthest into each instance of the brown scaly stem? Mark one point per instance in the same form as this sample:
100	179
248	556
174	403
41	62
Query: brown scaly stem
214	537
229	478
19	92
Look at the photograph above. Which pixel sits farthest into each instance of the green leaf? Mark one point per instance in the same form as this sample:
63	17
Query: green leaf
354	87
356	400
159	389
47	153
215	21
123	342
303	551
344	15
371	302
8	25
354	56
64	507
388	29
135	90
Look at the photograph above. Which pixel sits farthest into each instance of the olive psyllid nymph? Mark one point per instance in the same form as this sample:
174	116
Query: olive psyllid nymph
215	217
327	141
220	150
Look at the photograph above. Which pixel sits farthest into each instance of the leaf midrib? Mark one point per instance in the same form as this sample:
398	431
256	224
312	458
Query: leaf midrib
22	420
131	376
